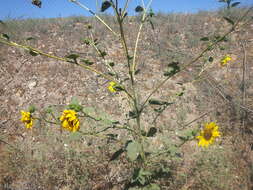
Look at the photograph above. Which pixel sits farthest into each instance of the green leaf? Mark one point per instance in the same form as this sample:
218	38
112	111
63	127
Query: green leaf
204	39
133	150
137	71
159	110
209	48
172	69
141	176
143	133
87	62
89	26
89	110
102	53
183	138
173	150
222	48
33	53
86	41
111	64
118	88
151	13
125	14
75	105
117	154
37	3
130	57
132	114
5	36
115	122
49	110
217	37
31	109
77	108
235	4
2	22
188	134
30	38
111	73
229	20
180	94
139	9
95	41
106	121
157	102
152	131
72	56
74	100
127	143
225	39
105	6
210	59
162	170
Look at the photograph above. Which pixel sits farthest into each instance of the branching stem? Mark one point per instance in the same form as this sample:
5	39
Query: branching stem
231	30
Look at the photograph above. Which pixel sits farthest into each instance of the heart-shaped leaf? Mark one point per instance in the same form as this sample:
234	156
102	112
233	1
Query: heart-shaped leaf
138	9
105	6
117	154
133	150
235	4
5	36
152	131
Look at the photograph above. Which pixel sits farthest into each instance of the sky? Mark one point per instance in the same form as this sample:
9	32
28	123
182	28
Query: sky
21	9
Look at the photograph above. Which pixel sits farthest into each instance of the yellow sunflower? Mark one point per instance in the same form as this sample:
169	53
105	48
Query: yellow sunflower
70	121
26	118
208	134
225	60
112	86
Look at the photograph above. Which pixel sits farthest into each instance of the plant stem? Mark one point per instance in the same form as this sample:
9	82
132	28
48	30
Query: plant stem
232	29
123	41
125	7
131	74
138	35
140	138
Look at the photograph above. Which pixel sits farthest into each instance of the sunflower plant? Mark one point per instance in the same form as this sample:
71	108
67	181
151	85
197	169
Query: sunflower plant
136	145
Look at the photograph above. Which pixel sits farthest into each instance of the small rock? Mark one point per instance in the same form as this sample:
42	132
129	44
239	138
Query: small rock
32	84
